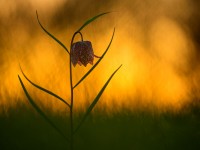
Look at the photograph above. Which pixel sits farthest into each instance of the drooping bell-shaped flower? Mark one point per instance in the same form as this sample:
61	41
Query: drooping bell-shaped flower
82	53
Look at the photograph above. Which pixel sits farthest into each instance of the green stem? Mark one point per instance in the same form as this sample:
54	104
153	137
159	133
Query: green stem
71	108
72	95
72	100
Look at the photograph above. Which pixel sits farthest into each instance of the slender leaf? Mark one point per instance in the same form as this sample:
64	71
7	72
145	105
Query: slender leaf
43	89
40	111
51	34
90	20
96	62
95	100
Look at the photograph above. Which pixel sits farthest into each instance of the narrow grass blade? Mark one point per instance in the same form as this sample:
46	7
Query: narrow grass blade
90	20
44	90
95	100
39	110
96	62
51	34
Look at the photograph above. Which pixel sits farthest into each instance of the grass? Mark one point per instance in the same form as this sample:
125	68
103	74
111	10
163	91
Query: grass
24	129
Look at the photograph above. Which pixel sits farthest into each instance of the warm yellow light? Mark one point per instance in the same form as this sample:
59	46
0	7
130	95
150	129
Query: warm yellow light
155	51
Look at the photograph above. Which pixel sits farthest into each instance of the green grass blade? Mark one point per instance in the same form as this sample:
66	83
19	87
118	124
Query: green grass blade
40	111
43	89
90	20
51	34
96	62
95	100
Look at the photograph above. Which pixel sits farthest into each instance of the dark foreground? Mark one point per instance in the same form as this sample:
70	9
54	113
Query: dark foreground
23	129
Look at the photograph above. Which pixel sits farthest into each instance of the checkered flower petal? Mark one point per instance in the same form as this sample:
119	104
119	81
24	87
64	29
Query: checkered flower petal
82	53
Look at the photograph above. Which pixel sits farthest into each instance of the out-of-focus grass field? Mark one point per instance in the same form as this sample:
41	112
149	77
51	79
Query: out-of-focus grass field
24	129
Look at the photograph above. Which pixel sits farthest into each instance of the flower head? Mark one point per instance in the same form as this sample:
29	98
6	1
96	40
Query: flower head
82	53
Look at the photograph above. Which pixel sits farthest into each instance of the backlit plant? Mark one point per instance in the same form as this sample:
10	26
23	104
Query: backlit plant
81	53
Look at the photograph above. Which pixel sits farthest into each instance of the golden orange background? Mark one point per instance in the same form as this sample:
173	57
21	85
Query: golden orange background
154	41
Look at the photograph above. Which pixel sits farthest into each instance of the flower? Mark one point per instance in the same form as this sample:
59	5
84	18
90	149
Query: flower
82	53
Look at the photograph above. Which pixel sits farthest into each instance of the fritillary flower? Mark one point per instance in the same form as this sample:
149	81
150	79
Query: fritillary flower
82	53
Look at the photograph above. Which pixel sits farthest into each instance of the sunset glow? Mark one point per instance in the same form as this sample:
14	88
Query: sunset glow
155	48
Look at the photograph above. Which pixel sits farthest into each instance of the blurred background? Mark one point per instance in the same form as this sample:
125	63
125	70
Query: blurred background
151	103
157	41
